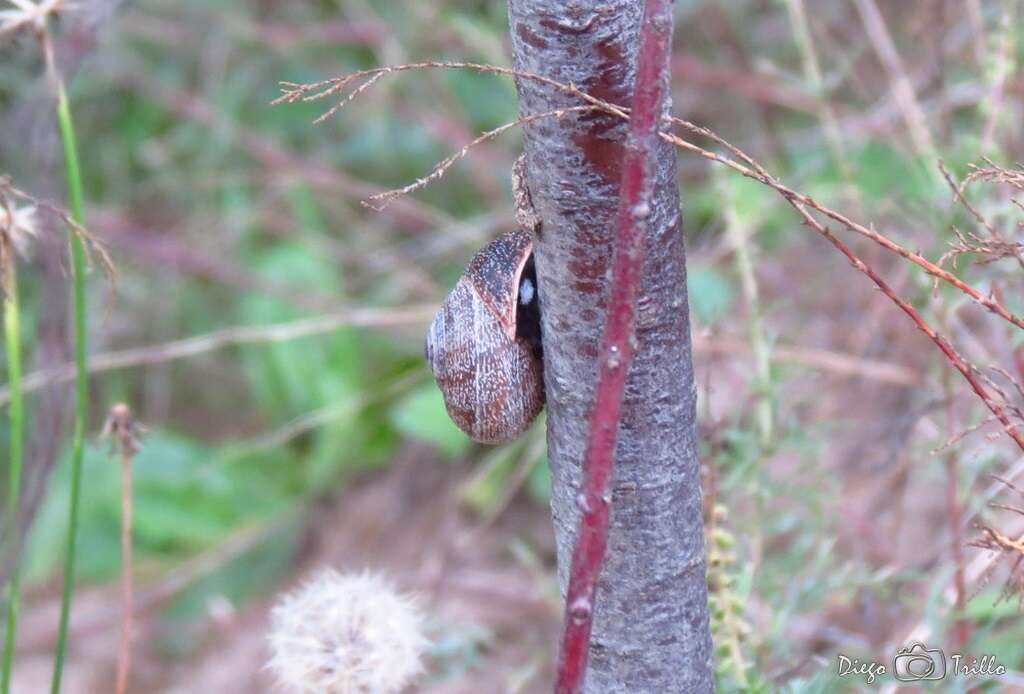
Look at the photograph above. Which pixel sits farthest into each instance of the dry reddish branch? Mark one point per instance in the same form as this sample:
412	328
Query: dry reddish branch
751	169
801	202
618	342
961	365
292	92
756	172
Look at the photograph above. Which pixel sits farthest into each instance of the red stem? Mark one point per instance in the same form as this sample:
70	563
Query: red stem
618	342
944	346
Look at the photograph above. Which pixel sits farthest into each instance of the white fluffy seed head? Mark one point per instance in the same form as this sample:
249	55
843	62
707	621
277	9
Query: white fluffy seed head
20	225
346	634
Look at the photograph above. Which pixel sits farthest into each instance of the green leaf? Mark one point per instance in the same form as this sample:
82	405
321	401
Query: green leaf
538	483
750	199
181	506
483	492
885	174
422	415
711	293
489	100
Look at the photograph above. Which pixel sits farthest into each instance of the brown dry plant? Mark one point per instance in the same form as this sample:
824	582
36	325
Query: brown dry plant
123	432
1009	545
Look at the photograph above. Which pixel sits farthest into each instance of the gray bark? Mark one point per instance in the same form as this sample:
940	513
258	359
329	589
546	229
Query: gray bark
650	632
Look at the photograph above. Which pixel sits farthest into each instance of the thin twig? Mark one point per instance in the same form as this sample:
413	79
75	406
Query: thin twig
379	201
959	436
738	236
958	195
292	92
750	168
969	373
757	173
1004	545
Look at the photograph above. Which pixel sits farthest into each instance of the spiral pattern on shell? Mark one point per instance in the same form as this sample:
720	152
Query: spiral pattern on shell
483	346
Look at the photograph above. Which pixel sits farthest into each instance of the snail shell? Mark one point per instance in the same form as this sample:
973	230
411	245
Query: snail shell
484	343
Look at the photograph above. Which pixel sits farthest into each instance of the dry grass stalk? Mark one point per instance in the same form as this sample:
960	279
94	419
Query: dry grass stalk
995	246
994	173
1010	545
825	111
900	83
96	250
961	435
1002	63
229	337
123	431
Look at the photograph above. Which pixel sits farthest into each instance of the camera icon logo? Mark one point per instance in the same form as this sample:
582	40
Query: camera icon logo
919	664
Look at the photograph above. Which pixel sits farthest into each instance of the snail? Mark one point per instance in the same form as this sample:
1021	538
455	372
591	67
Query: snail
484	344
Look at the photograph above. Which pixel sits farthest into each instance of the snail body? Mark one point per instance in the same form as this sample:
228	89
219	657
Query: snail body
484	345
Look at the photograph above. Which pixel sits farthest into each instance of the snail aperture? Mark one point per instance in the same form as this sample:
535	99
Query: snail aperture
484	344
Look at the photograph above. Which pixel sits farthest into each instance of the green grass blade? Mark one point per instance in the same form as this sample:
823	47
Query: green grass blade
74	184
12	334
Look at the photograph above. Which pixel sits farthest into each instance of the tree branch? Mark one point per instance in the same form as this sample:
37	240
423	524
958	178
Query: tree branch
619	340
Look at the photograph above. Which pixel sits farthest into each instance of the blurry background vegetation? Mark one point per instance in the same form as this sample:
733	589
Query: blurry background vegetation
263	460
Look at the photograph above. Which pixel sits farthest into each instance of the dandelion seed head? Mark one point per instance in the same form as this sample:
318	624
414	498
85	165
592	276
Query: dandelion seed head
28	13
20	225
346	634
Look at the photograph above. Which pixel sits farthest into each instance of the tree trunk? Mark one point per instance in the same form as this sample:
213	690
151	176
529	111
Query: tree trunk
650	631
